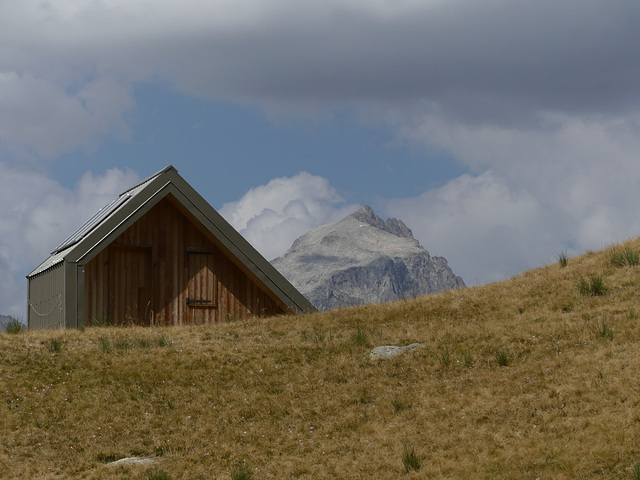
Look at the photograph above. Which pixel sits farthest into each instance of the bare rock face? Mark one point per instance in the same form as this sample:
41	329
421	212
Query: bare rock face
363	259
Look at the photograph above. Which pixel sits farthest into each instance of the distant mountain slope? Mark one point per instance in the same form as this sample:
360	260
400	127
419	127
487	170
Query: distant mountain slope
363	259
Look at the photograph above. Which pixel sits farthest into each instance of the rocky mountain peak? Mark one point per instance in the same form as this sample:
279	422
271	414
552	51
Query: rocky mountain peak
392	225
363	259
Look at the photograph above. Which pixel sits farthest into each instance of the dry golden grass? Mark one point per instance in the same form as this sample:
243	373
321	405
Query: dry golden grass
527	378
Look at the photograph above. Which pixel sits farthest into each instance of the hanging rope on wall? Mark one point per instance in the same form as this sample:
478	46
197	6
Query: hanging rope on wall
57	306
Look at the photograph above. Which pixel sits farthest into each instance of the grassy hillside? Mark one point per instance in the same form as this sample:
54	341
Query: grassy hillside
535	377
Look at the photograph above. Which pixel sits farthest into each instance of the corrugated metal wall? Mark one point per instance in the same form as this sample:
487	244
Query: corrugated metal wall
46	299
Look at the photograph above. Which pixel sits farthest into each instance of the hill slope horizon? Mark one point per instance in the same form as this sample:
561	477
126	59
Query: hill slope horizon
533	377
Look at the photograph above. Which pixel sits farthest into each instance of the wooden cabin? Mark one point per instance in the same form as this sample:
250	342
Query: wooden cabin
158	254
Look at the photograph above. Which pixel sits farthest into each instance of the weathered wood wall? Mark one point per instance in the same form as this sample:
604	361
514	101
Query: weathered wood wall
167	269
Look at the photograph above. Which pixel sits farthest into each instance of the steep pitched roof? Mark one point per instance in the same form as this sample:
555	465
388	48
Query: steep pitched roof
111	220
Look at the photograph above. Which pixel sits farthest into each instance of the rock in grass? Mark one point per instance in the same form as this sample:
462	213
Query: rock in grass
390	351
133	461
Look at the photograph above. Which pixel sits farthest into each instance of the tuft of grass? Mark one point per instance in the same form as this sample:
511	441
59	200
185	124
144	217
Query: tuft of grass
467	359
14	326
398	405
164	341
624	257
502	358
242	472
593	286
632	257
567	307
636	472
55	345
605	331
445	357
108	457
563	260
360	338
410	459
105	344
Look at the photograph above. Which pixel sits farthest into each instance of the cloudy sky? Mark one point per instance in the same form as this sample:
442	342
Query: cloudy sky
503	132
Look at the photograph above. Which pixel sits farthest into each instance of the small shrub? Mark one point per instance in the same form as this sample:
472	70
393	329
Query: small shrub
502	358
563	260
594	286
411	460
54	345
14	326
242	472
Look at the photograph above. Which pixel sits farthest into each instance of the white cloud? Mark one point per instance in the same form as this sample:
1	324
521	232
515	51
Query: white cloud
573	187
38	214
272	216
484	229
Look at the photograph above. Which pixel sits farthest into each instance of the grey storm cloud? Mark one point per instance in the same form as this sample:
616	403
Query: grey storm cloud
494	61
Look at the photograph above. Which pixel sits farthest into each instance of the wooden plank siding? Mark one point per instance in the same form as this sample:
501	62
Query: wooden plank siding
167	269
